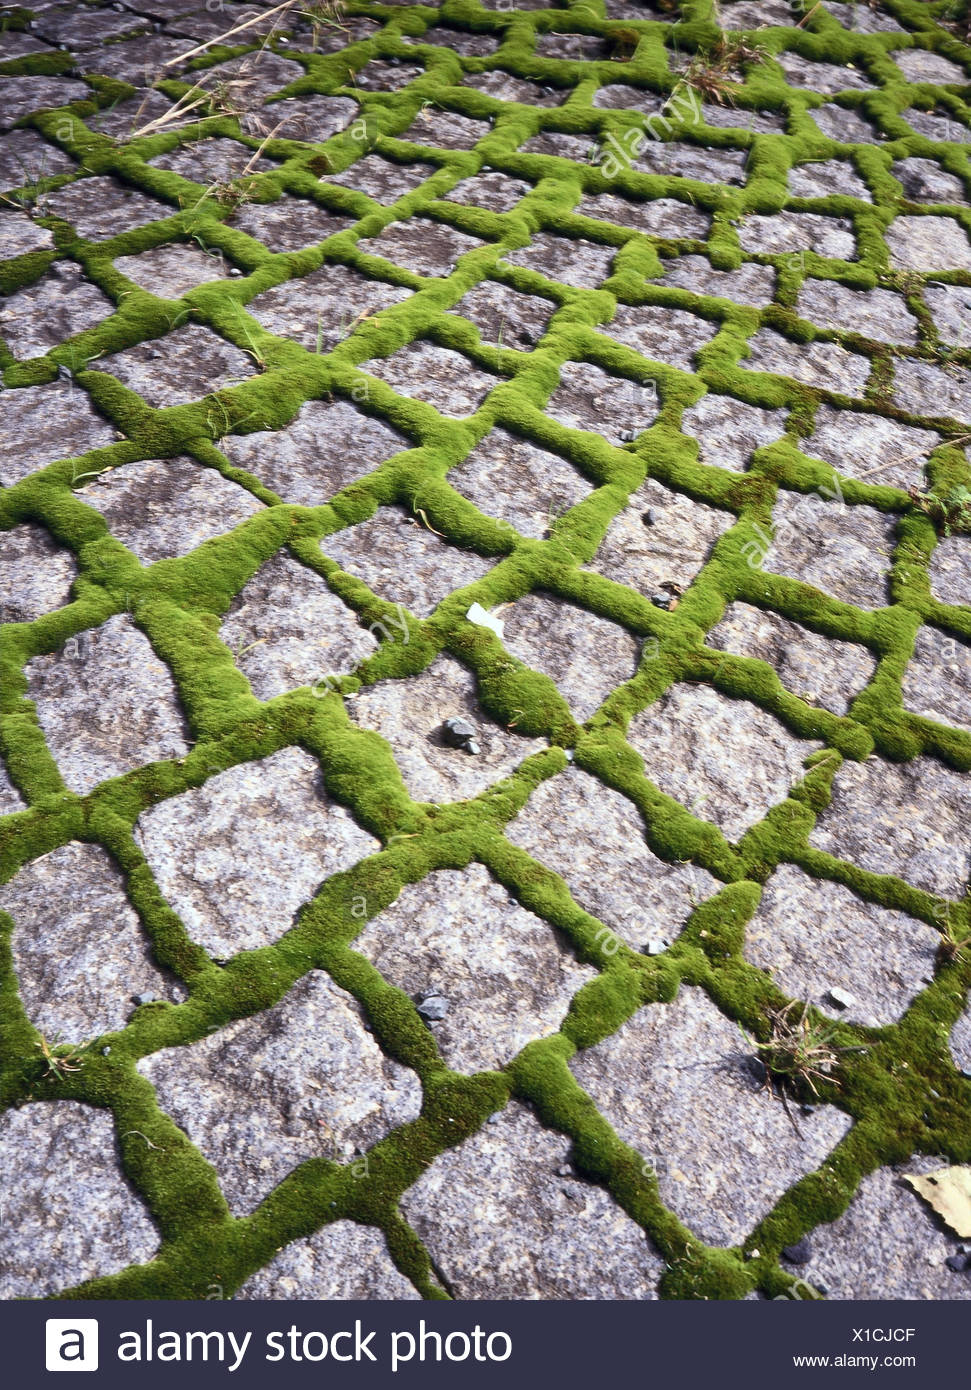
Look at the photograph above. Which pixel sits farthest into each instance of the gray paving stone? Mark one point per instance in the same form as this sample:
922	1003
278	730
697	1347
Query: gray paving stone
559	45
620	96
678	158
18	45
186	364
239	856
391	76
70	1214
446	130
908	819
55	308
24	95
522	1223
828	78
588	398
172	270
727	761
662	334
123	120
287	629
506	974
870	447
924	181
80	956
403	562
85	26
738	118
593	837
289	224
518	482
825	178
98	208
729	431
213	160
845	124
585	656
321	309
327	446
492	190
919	65
19	235
502	86
39	424
862	19
949	306
669	549
10	798
410	713
960	1042
247	81
139	61
928	243
504	316
106	704
813	936
36	573
750	284
827	366
665	217
938	678
383	179
422	245
342	1261
581	149
457	41
821	670
920	388
25	157
845	551
785	232
887	1244
723	1177
950	570
937	125
570	260
443	378
299	1081
751	14
313	118
159	508
879	314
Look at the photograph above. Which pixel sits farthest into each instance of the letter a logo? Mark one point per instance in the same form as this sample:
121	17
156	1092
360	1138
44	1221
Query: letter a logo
72	1344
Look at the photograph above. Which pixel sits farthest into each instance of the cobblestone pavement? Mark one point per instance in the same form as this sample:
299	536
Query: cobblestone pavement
599	376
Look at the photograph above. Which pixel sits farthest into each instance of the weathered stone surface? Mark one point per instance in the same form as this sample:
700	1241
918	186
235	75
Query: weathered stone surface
665	217
506	974
446	130
924	181
829	176
502	86
164	507
588	398
17	45
24	95
328	445
321	309
386	76
908	819
249	80
729	431
750	284
845	551
504	316
960	1042
186	364
18	236
682	160
870	447
887	1244
287	629
238	857
813	936
422	245
39	424
410	713
36	573
26	157
593	837
722	1177
582	149
671	336
938	678
458	41
620	96
950	570
571	260
106	704
84	26
518	482
58	306
492	190
845	124
949	307
289	224
750	14
737	118
821	670
670	549
824	365
522	1223
69	1213
341	1261
940	125
921	388
784	232
79	952
559	45
402	561
98	208
123	120
584	655
920	65
928	243
444	378
861	19
727	761
138	60
879	314
312	118
10	798
213	160
383	179
828	78
300	1080
173	270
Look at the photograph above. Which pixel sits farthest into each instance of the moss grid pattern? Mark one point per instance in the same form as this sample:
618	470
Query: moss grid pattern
903	1093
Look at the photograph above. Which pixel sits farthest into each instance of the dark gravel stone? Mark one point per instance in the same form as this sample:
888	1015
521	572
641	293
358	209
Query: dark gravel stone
798	1254
459	733
433	1007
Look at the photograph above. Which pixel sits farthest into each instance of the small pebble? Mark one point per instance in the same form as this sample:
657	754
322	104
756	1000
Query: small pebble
661	600
433	1007
564	1171
178	995
145	998
106	1052
650	517
235	271
656	947
798	1254
959	1263
841	998
459	733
